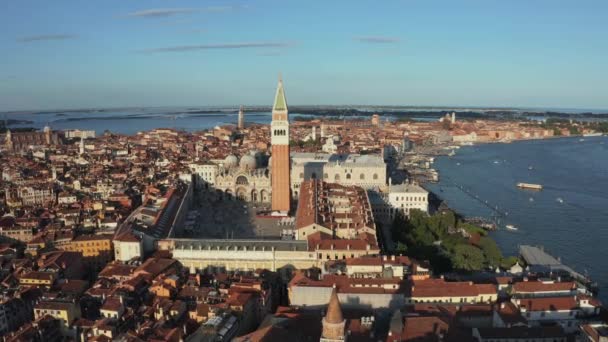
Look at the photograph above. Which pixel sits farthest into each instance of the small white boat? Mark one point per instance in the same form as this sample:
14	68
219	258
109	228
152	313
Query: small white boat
530	167
560	200
496	162
511	227
531	199
458	164
581	140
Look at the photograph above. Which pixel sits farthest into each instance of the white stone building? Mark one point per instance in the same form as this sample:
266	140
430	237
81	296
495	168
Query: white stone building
128	246
205	172
398	198
366	171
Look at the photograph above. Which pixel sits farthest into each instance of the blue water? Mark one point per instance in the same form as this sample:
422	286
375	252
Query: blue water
569	169
131	121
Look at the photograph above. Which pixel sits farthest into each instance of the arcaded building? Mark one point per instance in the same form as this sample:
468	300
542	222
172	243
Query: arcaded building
245	180
366	171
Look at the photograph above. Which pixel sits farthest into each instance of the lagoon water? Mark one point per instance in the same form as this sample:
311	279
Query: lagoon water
569	217
131	121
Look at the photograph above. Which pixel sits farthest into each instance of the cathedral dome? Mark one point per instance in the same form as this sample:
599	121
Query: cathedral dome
248	162
230	161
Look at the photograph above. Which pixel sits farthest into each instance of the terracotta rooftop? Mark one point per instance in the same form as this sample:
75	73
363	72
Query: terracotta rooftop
441	288
539	286
333	206
548	303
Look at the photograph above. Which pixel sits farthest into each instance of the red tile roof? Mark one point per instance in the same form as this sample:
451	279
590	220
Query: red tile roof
548	303
538	286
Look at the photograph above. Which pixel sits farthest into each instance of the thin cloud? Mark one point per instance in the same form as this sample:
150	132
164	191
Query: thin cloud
270	53
161	12
250	45
170	12
44	37
377	39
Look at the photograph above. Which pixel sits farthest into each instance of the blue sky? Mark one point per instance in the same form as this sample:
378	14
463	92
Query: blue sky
112	53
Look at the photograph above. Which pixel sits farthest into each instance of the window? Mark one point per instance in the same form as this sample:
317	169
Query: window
348	176
337	177
325	176
362	177
375	176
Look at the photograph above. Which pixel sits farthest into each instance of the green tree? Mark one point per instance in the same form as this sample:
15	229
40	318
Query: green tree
399	228
508	262
401	248
574	130
467	258
492	253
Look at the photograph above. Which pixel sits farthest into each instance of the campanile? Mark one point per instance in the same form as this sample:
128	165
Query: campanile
279	130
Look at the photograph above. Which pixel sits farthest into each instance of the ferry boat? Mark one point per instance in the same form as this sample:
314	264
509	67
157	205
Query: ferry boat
529	186
511	227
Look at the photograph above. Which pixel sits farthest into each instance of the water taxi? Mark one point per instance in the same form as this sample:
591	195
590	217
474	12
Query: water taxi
511	227
529	186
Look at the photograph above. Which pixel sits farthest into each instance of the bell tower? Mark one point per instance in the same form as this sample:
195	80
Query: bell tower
279	130
333	323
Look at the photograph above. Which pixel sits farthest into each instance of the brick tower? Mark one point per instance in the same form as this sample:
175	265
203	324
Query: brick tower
333	322
279	130
241	121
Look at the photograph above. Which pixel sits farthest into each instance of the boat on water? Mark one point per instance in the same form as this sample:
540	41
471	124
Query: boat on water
581	139
452	153
592	135
530	167
496	162
530	186
511	227
560	200
531	199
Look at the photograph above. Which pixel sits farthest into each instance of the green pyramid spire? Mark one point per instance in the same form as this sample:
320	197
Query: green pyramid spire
280	103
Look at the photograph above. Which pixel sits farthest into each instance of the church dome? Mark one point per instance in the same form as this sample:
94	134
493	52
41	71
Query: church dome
230	161
248	162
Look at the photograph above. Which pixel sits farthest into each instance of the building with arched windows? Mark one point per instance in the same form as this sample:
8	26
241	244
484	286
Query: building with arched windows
251	185
366	171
